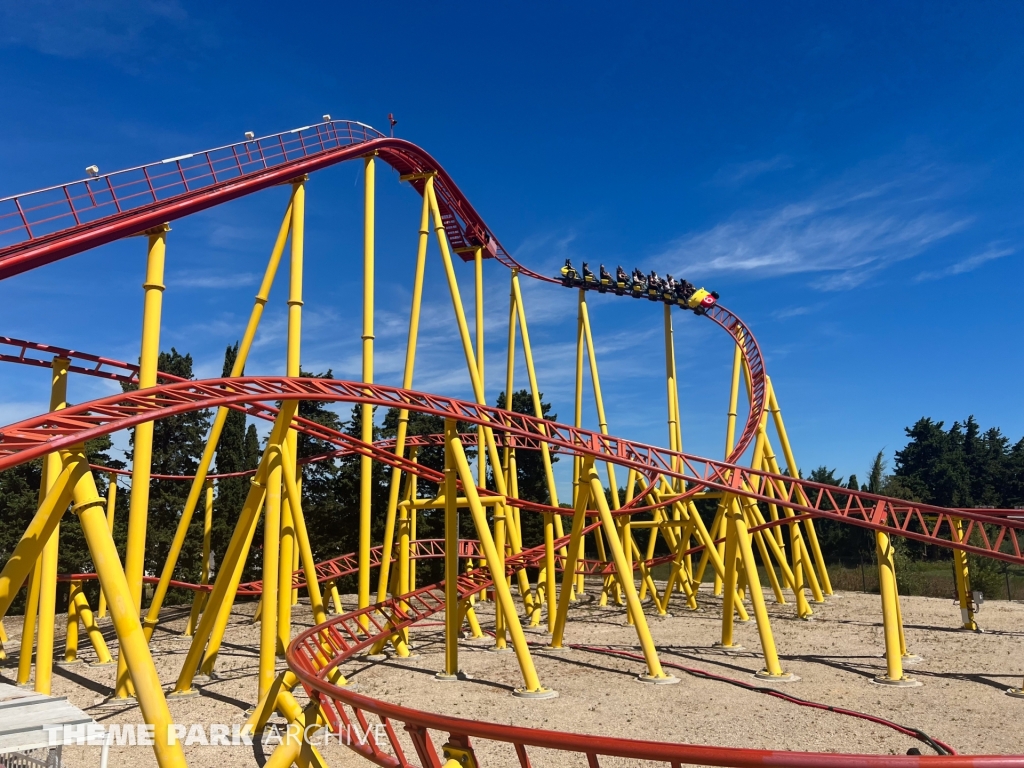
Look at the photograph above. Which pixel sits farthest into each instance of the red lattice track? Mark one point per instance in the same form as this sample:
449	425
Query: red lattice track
999	535
38	228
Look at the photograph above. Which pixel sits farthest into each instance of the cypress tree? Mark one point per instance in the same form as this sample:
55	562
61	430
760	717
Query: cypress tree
231	457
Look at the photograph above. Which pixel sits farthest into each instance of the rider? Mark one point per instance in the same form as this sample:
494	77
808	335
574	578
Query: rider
588	276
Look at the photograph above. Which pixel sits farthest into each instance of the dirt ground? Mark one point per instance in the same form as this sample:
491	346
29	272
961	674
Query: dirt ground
836	655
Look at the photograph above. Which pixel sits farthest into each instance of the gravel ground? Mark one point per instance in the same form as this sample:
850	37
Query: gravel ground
961	701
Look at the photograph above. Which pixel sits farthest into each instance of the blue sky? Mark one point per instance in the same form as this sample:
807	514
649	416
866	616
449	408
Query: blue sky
848	178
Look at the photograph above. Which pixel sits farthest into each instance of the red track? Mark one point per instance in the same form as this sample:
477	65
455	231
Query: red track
998	537
41	227
58	222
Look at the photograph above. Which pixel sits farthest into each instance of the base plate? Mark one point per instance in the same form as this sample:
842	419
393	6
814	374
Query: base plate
906	682
666	680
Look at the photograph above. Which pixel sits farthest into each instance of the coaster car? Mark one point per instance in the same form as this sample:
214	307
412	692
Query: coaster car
700	301
638	285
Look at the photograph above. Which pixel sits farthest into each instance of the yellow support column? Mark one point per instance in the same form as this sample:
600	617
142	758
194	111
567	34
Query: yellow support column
28	631
218	425
963	581
292	369
451	557
101	609
131	639
366	411
271	564
71	638
478	311
85	615
142	452
48	568
890	616
407	378
579	520
531	374
199	599
772	670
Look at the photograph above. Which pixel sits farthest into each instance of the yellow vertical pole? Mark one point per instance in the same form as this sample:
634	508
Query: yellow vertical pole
292	369
577	421
101	608
963	580
730	441
71	638
85	615
772	669
200	597
142	455
366	411
407	378
451	556
670	381
131	639
478	310
890	615
730	599
28	631
48	570
531	374
579	520
403	542
595	380
213	439
294	496
271	564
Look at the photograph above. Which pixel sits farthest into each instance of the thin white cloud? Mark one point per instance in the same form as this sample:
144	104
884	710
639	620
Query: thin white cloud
846	232
737	173
783	314
187	280
966	265
108	28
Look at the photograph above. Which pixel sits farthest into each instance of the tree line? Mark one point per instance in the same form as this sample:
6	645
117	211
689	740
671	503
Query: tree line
961	466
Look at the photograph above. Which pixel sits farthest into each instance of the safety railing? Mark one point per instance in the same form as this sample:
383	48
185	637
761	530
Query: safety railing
32	215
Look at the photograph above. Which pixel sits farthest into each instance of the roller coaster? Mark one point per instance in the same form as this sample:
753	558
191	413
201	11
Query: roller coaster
756	500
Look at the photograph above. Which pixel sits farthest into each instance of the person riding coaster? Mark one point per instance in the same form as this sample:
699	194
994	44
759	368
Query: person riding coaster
654	286
588	276
621	281
669	290
639	284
